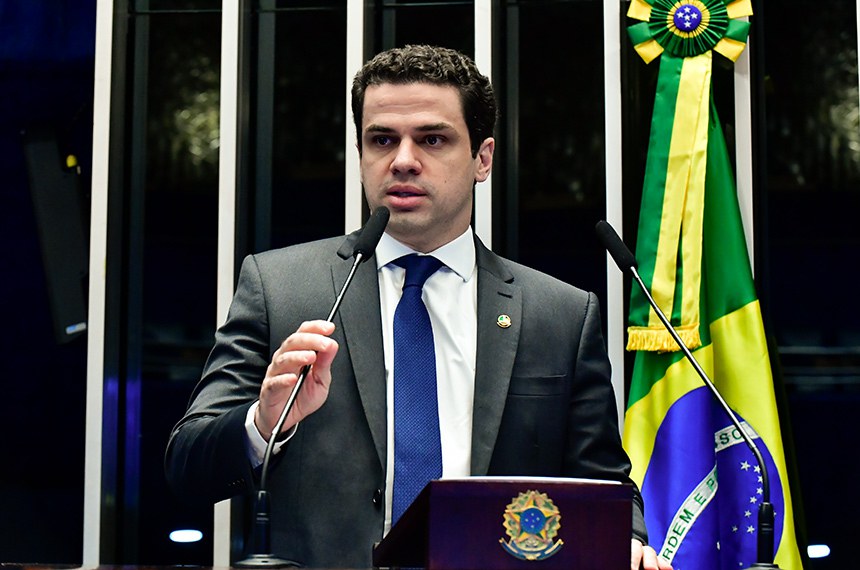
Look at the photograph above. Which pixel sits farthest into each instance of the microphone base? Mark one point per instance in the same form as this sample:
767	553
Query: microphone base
264	561
762	566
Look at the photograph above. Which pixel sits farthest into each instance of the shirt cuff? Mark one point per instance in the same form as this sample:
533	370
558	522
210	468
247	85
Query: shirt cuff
256	443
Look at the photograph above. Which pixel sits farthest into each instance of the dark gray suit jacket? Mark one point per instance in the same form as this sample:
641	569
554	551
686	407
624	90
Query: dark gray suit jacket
543	405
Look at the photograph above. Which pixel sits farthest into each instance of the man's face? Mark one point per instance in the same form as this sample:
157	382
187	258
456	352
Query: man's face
416	160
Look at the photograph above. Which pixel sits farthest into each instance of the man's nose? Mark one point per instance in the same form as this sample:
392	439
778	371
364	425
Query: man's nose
406	159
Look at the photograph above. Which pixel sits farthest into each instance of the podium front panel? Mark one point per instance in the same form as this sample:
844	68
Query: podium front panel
518	524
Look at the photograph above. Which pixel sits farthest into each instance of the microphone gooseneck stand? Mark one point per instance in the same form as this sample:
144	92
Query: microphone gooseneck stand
627	263
262	556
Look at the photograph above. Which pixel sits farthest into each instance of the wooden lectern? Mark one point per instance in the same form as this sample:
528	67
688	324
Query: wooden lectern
503	523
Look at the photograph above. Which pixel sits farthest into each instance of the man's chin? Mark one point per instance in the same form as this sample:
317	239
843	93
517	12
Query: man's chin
404	226
409	230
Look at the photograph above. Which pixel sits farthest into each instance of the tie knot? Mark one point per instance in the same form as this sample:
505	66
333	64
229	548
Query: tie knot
418	268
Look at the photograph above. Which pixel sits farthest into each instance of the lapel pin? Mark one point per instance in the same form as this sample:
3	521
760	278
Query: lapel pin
504	321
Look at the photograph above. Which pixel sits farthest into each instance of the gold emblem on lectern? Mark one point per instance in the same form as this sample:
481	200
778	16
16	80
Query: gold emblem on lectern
532	522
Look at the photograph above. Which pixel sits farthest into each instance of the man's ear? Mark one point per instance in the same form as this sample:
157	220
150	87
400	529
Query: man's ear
484	159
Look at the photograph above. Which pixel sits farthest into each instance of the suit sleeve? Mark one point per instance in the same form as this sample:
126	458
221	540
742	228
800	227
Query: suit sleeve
594	443
206	458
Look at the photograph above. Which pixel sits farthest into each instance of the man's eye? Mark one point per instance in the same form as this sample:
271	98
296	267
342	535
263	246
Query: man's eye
382	140
433	140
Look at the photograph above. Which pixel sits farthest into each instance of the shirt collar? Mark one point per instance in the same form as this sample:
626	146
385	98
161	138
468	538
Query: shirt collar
458	255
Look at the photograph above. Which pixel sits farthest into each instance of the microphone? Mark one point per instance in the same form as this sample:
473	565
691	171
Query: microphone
365	245
619	252
626	262
369	237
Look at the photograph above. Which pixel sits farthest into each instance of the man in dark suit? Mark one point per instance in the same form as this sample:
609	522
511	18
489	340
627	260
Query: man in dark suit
521	374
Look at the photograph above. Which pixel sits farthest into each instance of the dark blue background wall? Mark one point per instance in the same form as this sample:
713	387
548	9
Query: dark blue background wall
46	80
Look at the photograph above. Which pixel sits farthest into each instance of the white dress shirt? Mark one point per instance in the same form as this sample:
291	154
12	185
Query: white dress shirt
451	298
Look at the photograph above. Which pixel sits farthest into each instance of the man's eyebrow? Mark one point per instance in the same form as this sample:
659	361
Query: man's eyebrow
435	127
373	128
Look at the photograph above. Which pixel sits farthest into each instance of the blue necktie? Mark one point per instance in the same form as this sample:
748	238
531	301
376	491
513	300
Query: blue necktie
417	445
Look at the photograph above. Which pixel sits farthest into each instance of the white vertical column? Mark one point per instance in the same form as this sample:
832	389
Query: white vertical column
97	285
484	61
354	61
743	144
614	204
227	172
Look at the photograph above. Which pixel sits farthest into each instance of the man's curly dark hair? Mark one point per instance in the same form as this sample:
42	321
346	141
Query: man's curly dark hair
437	66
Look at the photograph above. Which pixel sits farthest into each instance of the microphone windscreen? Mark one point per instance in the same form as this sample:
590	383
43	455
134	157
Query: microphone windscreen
371	233
619	252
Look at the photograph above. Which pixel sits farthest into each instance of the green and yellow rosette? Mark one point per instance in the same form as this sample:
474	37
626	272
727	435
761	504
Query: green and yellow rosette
684	35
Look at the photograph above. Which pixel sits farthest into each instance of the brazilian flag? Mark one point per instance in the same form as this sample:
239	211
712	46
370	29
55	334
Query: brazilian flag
701	484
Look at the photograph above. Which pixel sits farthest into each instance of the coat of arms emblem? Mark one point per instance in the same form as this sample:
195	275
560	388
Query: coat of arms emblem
532	521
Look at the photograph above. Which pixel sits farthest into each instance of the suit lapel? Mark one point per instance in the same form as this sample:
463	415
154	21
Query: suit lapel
361	323
497	296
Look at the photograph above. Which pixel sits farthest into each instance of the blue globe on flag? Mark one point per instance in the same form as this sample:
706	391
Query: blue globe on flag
708	509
